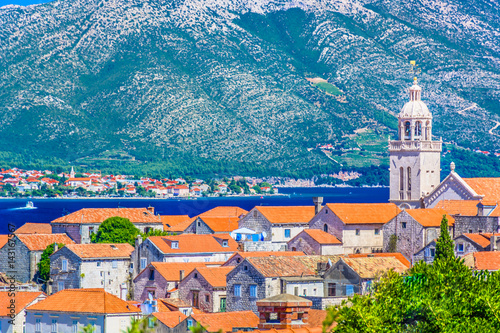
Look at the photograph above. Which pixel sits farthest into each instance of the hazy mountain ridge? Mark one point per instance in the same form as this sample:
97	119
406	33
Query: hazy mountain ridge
226	79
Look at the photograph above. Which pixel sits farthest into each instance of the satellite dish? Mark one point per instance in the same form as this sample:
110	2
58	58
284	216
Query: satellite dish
264	234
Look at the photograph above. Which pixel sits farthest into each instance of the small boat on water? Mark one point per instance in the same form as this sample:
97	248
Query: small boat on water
29	205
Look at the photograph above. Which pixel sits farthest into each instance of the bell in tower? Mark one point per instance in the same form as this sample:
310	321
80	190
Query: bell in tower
414	157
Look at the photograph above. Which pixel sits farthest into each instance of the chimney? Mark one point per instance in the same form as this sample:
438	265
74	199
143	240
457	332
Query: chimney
151	209
283	311
181	275
56	247
317	204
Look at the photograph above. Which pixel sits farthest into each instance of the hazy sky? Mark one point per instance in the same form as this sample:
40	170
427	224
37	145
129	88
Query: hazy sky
21	2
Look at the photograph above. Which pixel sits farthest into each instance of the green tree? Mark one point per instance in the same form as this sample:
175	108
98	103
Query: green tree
444	243
44	263
116	229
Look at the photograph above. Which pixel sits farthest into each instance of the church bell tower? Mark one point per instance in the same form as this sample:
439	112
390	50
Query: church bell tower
414	158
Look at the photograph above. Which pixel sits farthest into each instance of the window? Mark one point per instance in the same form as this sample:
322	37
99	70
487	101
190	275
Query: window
190	323
143	263
418	129
237	290
75	326
403	225
470	231
64	265
296	291
314	291
377	231
253	290
175	245
245	268
358	232
407	130
255	213
287	233
196	299
225	243
53	328
433	252
207	298
408	182
38	325
195	275
151	275
460	247
304	292
114	264
98	264
199	224
349	290
332	289
60	285
325	228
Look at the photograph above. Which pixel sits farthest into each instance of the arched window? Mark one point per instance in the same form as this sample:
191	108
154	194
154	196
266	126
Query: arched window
428	131
407	130
418	129
401	179
408	183
325	228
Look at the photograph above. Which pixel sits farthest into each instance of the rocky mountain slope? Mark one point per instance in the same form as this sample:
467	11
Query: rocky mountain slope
227	80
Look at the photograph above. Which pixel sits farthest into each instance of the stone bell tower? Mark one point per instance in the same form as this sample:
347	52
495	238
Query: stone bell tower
414	158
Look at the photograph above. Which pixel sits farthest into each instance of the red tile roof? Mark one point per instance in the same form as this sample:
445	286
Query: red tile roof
171	270
364	213
221	224
371	267
172	220
322	237
3	240
34	228
224	211
459	207
396	255
489	187
244	255
98	215
101	250
21	298
39	242
188	243
84	301
287	214
289	266
226	321
482	240
430	217
170	319
486	260
215	276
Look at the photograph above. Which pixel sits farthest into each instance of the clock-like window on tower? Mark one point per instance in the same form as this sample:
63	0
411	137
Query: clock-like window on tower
418	129
407	130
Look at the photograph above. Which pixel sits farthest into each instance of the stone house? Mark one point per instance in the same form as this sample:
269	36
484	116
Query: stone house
70	310
100	265
81	224
222	219
170	322
278	224
182	248
225	321
22	299
413	229
240	256
315	241
260	277
205	288
161	279
427	253
357	226
28	249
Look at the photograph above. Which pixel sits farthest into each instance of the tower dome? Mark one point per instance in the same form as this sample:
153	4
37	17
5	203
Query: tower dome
415	108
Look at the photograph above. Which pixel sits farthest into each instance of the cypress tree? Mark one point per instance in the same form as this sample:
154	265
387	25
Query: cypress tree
444	244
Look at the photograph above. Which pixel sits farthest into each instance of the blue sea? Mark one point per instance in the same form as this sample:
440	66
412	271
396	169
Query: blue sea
13	211
22	2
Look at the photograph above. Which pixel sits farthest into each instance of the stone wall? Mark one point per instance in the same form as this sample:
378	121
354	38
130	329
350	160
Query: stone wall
333	224
278	231
322	303
142	284
195	282
22	268
469	246
262	246
341	275
72	230
410	239
255	221
304	242
361	238
476	224
245	275
70	277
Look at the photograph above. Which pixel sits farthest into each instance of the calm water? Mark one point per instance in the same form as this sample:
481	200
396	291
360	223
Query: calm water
12	210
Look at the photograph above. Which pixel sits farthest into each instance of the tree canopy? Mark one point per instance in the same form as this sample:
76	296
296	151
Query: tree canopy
116	230
44	263
444	244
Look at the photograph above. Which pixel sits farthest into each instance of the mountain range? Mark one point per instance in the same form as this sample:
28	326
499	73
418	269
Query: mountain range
253	82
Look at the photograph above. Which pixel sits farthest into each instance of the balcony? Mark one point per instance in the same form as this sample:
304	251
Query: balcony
415	146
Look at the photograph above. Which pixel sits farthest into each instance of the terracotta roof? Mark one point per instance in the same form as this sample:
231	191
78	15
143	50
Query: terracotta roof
3	240
316	318
226	321
459	207
171	270
170	319
364	213
84	301
287	214
215	276
34	228
322	237
172	220
244	255
430	217
487	260
98	215
221	224
22	299
194	243
289	266
39	242
318	329
174	303
371	267
224	211
101	250
489	187
396	255
482	240
181	226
